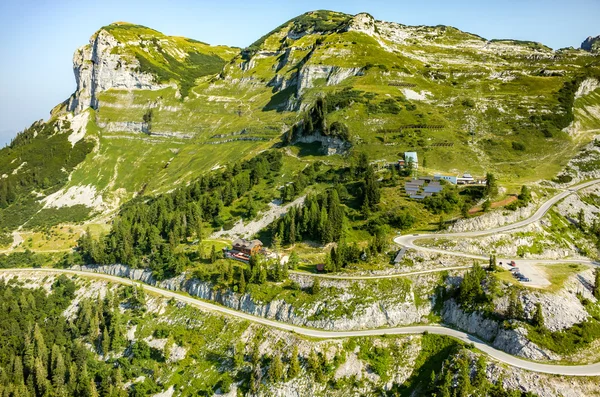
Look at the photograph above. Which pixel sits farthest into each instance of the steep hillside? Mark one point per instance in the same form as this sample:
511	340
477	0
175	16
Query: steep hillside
591	44
163	110
504	104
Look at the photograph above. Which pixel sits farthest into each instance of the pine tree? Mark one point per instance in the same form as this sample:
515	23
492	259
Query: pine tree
254	382
464	377
365	209
229	274
105	342
316	287
40	346
242	283
334	260
493	263
293	260
116	331
480	379
596	289
201	250
515	307
581	220
58	368
118	379
83	382
464	209
238	355
525	195
41	376
17	372
294	368
491	185
276	369
29	355
94	325
167	348
92	391
72	383
276	244
106	387
213	254
538	316
292	231
314	365
324	229
262	275
284	270
336	216
372	193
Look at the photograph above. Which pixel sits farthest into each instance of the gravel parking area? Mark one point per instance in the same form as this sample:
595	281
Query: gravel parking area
528	268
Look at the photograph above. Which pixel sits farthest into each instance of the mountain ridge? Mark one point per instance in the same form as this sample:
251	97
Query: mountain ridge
179	107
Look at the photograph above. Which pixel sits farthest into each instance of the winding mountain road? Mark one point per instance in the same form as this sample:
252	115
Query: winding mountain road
571	370
406	241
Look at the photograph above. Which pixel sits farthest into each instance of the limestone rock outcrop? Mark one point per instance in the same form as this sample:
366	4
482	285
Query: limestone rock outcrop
372	315
333	75
591	44
98	66
362	22
513	341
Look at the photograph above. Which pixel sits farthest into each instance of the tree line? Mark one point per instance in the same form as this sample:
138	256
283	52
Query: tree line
147	231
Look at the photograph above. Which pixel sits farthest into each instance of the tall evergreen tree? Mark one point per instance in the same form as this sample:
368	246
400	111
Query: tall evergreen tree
515	307
213	254
58	368
105	342
276	369
294	368
538	316
596	288
371	193
491	185
242	283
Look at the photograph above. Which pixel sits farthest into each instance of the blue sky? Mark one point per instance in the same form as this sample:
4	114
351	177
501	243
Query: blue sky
38	38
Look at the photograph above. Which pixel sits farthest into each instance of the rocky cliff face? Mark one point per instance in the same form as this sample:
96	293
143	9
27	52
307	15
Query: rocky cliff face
513	341
329	145
362	22
98	67
377	314
333	75
591	44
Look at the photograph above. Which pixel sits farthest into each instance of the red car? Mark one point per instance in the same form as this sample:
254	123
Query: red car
512	263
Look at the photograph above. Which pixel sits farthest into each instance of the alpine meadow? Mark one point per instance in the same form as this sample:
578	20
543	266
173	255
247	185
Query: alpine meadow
346	207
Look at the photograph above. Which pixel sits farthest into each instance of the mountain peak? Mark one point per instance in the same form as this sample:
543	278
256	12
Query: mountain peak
362	22
591	44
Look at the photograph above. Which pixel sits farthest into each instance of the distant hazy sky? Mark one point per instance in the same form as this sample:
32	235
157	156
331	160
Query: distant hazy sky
38	38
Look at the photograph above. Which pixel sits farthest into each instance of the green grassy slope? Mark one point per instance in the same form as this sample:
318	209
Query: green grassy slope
500	105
